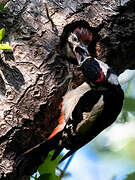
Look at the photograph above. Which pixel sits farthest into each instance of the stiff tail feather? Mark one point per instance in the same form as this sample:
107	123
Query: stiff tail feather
32	158
38	153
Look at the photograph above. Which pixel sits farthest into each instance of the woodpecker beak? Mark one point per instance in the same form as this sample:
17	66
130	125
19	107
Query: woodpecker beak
81	52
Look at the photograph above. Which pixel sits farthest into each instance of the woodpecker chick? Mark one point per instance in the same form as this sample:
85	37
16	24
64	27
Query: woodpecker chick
77	44
78	40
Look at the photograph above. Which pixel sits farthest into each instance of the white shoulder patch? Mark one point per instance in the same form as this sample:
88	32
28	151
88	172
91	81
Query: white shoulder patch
71	98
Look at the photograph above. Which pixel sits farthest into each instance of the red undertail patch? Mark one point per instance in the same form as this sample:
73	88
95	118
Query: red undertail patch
60	126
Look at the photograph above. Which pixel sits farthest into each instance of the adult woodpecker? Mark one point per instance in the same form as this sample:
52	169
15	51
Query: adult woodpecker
86	110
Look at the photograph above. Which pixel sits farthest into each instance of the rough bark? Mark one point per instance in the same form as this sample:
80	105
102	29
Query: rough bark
34	77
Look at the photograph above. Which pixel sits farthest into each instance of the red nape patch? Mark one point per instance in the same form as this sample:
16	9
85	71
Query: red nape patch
101	78
84	34
60	126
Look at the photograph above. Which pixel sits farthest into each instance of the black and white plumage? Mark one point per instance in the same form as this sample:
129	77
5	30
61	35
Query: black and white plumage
91	107
86	110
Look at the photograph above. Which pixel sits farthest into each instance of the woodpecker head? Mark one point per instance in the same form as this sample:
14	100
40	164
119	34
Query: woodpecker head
93	72
77	44
78	41
97	73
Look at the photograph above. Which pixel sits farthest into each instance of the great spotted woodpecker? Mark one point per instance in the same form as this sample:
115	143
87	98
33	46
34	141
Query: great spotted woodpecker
86	110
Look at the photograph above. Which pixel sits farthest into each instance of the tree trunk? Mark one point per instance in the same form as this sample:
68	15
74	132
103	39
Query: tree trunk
34	76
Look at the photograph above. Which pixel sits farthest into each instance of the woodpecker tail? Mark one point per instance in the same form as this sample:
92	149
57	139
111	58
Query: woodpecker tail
37	154
31	159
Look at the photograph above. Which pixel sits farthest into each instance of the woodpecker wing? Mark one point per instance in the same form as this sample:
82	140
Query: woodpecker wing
84	114
91	117
87	115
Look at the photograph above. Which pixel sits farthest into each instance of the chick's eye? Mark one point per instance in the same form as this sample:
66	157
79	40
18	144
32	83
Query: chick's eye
74	38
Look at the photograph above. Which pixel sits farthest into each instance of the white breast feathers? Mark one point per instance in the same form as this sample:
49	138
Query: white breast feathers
71	98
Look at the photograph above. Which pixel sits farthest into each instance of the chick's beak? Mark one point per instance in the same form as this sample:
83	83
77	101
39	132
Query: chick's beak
81	52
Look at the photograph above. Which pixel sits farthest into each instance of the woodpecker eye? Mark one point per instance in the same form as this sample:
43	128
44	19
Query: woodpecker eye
74	38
